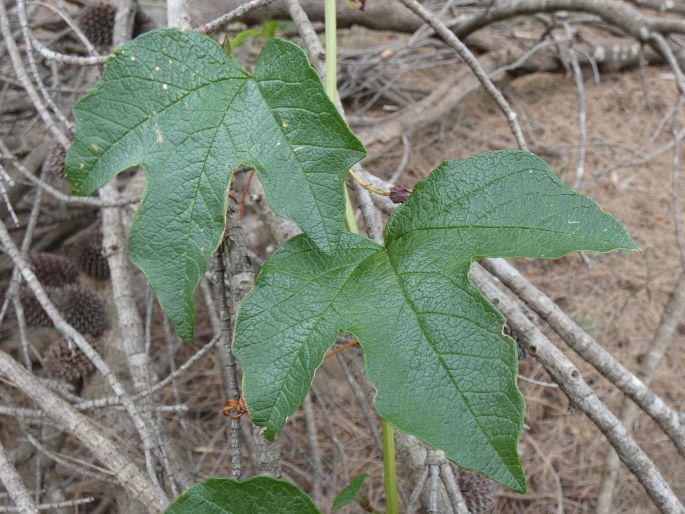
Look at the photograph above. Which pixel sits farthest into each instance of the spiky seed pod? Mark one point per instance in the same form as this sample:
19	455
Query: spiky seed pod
80	307
97	23
479	493
34	314
83	310
65	363
91	260
54	163
53	270
86	250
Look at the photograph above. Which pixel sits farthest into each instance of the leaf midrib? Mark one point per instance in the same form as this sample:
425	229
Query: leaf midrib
443	364
150	119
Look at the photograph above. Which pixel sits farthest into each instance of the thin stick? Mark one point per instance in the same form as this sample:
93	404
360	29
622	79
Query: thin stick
54	505
14	485
19	69
73	335
472	62
24	24
416	493
72	200
78	60
239	11
312	438
433	491
362	402
229	368
564	373
114	400
452	488
675	184
334	436
403	161
113	457
591	351
673	313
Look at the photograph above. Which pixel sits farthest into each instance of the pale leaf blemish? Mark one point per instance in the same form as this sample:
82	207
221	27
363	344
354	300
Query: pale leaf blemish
82	165
95	148
165	86
285	125
157	68
160	136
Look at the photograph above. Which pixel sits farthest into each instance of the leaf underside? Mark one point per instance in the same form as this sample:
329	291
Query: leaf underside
174	103
256	495
433	345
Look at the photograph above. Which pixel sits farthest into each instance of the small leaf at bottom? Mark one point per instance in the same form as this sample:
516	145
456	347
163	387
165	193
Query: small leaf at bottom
257	495
349	494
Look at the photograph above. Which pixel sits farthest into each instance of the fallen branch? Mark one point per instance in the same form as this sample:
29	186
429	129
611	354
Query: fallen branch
564	373
591	351
14	485
128	474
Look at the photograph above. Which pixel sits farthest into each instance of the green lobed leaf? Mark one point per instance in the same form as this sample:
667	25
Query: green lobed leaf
174	103
349	494
433	345
256	495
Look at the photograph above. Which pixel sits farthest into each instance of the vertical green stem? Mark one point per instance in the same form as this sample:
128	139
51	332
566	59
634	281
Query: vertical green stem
331	49
331	89
388	436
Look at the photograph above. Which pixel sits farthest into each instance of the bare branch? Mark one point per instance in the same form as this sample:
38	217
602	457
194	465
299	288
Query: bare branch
114	458
235	14
591	351
20	71
177	14
564	373
73	335
14	485
673	313
453	41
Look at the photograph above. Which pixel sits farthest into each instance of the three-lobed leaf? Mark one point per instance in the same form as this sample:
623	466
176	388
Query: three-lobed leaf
174	103
433	345
256	495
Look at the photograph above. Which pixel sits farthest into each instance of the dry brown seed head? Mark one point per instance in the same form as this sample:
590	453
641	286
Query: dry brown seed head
97	23
53	270
67	363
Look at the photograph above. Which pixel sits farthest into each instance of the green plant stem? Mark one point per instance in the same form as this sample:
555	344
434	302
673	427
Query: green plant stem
388	437
331	49
351	223
332	89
